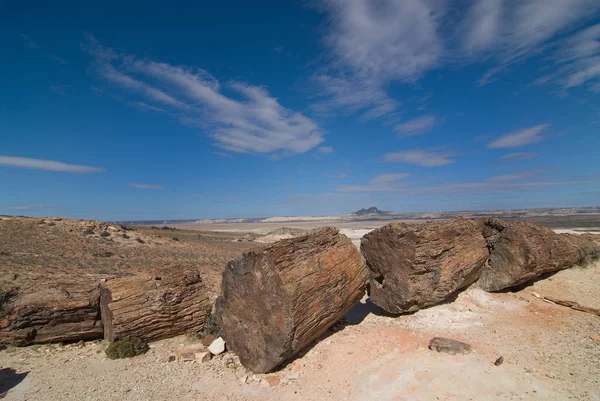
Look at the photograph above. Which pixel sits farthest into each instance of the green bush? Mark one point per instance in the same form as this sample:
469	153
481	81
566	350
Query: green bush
126	348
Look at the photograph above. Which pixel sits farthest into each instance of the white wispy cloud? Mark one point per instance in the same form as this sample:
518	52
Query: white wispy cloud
49	165
518	156
29	42
578	61
57	59
371	44
504	183
255	124
325	149
520	138
146	186
381	183
417	126
516	176
420	157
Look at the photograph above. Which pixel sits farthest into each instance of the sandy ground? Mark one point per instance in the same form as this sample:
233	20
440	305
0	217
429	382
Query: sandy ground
548	350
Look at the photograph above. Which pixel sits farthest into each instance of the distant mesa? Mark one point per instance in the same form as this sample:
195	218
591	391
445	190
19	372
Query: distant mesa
372	211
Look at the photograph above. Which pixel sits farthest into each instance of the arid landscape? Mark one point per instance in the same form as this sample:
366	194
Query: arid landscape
537	341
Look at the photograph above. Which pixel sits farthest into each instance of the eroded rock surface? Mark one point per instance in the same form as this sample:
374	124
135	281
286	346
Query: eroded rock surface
276	301
413	266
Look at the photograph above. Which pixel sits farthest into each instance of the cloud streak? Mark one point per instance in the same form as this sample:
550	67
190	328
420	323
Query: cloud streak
380	183
519	138
417	126
420	157
48	165
252	121
146	186
503	183
372	44
518	156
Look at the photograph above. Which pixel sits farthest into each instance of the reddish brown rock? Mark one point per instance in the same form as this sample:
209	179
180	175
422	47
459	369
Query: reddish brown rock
38	308
521	251
153	307
276	301
419	265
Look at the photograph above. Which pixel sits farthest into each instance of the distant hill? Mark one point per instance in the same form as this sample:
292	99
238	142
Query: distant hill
372	211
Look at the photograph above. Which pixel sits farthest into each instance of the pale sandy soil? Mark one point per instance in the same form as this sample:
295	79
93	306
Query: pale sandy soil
548	355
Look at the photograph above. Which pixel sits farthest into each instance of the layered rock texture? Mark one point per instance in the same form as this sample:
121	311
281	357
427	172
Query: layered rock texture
153	307
40	308
274	302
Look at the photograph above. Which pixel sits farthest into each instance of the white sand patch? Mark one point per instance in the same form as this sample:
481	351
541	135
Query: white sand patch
355	233
578	231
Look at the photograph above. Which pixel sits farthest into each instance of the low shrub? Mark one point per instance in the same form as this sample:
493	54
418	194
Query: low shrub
105	234
126	348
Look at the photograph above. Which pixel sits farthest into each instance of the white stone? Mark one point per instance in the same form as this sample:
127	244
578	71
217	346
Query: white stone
217	347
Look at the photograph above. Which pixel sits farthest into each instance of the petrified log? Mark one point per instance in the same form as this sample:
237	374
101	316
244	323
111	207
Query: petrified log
521	251
40	309
153	307
276	301
419	265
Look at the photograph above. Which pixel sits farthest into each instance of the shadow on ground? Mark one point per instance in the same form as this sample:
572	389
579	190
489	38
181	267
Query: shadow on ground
363	309
9	378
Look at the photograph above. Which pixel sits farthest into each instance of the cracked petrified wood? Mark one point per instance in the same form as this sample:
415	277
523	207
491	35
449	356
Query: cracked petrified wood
153	307
521	251
412	266
40	308
276	301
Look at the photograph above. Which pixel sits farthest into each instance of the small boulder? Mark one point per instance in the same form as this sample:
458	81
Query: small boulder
272	380
217	347
449	346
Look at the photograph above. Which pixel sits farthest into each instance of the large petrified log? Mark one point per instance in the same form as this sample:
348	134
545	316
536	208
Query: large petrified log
419	265
276	301
153	307
521	251
40	308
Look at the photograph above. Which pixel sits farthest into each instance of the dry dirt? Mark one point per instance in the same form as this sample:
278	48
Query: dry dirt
54	245
549	350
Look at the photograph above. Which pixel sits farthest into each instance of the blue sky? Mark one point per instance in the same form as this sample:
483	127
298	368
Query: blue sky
116	111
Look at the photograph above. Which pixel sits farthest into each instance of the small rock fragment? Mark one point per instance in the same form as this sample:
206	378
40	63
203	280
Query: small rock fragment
188	357
294	376
272	381
172	358
207	357
217	347
595	337
499	361
449	346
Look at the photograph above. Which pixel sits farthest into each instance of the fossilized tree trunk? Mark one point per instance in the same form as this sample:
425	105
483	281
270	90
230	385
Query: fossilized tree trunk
40	308
153	307
412	266
276	301
521	251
